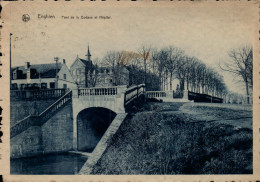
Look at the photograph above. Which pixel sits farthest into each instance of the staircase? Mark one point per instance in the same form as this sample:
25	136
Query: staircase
42	118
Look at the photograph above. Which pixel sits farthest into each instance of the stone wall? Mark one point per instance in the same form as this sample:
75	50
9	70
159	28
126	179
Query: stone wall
56	135
57	132
21	109
28	143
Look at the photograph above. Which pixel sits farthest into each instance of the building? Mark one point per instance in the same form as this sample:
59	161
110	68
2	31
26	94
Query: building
80	68
106	77
41	76
86	74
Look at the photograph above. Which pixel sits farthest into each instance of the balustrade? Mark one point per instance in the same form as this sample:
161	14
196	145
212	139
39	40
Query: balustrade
155	94
98	91
36	94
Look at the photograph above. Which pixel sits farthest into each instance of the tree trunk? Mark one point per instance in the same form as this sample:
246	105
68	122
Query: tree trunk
247	93
171	81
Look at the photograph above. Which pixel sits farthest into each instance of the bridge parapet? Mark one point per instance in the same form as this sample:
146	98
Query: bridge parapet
106	97
100	91
159	94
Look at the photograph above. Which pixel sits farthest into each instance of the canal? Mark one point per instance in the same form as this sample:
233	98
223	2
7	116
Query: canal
64	163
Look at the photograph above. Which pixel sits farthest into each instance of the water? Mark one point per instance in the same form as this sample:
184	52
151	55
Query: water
48	164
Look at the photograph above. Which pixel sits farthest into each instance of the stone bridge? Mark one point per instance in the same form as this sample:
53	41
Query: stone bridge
69	123
110	100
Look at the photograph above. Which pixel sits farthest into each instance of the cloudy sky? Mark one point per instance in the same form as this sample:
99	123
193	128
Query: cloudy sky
207	33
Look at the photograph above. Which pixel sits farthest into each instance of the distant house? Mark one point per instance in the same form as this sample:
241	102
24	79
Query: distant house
86	74
106	78
41	76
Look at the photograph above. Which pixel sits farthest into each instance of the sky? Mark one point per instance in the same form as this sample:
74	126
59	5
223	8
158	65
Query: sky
207	33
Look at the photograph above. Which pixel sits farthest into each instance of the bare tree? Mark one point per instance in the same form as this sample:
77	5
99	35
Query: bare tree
174	55
92	75
159	60
116	61
145	54
241	66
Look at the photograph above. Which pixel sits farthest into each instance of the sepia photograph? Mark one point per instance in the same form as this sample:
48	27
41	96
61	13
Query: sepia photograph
130	90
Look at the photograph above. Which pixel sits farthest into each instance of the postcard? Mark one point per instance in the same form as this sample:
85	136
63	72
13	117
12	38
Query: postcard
129	91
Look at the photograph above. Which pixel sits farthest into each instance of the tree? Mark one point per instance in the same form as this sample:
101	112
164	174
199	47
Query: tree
241	66
174	55
116	61
92	75
159	60
145	54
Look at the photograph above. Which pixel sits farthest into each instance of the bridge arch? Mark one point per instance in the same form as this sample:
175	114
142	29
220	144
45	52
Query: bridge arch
114	99
91	124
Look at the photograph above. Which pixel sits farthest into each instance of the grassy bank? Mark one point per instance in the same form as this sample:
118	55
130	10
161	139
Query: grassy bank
173	142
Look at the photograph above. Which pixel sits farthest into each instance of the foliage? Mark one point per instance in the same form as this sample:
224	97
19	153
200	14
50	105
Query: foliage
169	143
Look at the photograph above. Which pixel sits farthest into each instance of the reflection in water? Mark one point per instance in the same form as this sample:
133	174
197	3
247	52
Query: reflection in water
48	164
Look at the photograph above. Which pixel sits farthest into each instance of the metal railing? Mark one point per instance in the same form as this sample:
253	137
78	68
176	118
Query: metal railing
39	120
197	97
133	92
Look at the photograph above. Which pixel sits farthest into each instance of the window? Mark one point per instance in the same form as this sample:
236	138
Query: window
64	76
14	86
35	86
43	85
22	86
52	84
65	86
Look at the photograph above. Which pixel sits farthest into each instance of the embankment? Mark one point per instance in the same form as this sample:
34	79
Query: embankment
181	139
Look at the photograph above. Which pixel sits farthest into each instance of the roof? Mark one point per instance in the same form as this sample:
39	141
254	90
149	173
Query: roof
45	70
87	63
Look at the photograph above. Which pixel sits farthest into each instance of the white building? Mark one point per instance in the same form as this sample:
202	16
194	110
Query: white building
44	76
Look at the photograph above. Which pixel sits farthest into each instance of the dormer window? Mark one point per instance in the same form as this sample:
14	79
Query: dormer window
64	76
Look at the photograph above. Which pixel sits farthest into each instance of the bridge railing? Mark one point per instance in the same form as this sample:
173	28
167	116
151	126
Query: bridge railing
155	94
133	92
51	110
97	91
36	94
29	121
197	97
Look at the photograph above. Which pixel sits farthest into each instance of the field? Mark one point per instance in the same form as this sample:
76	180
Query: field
176	138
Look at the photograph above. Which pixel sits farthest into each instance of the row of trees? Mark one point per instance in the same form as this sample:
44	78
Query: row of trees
149	65
159	68
193	74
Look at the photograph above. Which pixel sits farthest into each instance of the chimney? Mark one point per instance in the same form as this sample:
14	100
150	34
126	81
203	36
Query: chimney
64	61
27	65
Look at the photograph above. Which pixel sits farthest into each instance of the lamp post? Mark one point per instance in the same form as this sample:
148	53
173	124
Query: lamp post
10	60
